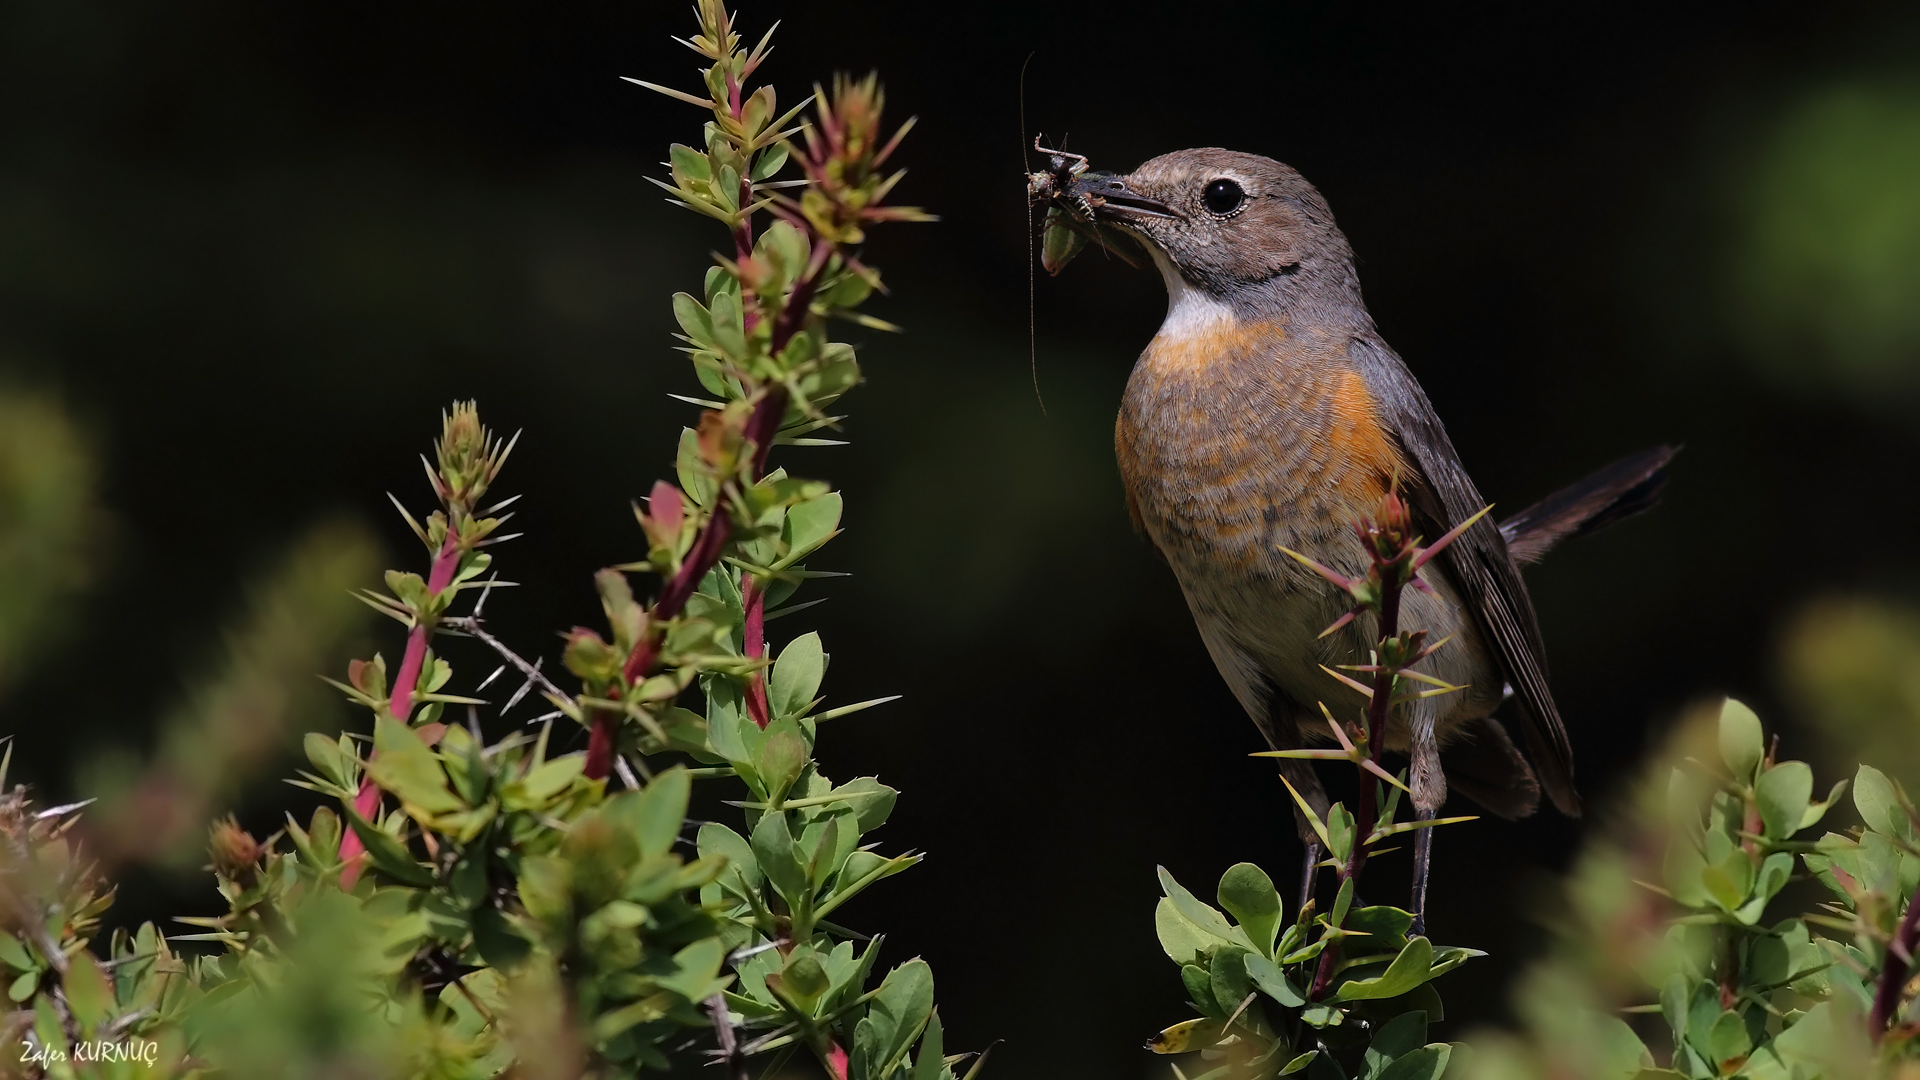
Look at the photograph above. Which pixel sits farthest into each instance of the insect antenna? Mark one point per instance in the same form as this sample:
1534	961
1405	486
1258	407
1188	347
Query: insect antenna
1033	340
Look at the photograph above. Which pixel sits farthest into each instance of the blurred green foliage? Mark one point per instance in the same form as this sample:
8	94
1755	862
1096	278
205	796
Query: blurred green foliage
243	713
1670	919
52	528
1823	275
1850	665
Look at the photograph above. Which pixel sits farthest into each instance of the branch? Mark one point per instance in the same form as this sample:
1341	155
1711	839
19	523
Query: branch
1388	573
471	625
400	702
723	1036
1893	980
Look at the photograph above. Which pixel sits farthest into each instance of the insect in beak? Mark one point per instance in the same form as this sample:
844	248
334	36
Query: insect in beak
1074	199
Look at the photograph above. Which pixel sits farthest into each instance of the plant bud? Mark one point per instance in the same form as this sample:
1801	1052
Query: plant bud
236	854
589	656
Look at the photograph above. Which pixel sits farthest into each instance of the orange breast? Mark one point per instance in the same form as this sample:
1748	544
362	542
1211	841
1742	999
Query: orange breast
1357	437
1234	436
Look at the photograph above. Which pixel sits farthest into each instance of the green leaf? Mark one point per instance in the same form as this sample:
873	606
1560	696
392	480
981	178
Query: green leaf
333	762
403	764
1448	957
1384	926
1408	970
870	800
1428	1062
1273	982
1229	978
1340	829
773	848
786	246
820	846
795	679
387	853
931	1060
725	718
1741	745
729	339
764	167
1831	1039
691	470
716	839
1179	937
1394	1039
1725	891
662	810
1199	983
696	974
1342	900
1186	1036
802	981
1618	1050
14	954
691	162
1200	915
1818	810
905	1002
23	987
1783	793
1877	801
89	997
1728	1039
551	778
1247	893
781	757
1773	875
811	524
501	945
1682	870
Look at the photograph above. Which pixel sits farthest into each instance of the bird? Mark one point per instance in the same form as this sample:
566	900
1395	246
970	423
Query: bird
1268	414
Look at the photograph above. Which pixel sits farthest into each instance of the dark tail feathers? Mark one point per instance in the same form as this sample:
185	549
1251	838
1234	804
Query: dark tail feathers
1618	491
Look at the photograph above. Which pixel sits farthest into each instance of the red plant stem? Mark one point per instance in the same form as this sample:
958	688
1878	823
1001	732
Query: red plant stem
762	426
708	547
366	802
754	599
800	302
1378	706
1886	997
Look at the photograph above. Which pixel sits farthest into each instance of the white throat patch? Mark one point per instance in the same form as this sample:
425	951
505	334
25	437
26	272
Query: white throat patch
1189	311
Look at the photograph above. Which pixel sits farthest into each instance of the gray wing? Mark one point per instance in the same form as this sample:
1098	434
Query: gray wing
1443	495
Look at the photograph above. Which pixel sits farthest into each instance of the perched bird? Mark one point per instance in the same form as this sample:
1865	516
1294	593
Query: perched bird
1268	413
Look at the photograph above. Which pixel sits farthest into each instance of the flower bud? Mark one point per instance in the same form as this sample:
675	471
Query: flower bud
236	854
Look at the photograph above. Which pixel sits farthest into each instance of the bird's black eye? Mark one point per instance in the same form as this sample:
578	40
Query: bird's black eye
1223	196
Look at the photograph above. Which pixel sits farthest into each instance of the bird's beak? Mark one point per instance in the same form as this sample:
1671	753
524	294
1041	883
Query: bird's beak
1109	198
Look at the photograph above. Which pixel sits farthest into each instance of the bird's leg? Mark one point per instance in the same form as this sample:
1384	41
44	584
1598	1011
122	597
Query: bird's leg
1305	781
1429	788
1309	873
1422	852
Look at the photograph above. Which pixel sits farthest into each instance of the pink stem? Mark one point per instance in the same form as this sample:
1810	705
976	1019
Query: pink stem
754	599
1886	998
367	802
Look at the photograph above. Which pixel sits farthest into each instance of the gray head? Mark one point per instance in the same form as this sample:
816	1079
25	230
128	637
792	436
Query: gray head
1240	228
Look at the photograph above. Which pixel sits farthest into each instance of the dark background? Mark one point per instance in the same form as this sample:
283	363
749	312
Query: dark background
256	248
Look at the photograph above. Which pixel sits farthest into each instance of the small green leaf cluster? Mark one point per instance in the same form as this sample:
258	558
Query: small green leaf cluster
1739	991
1248	976
51	899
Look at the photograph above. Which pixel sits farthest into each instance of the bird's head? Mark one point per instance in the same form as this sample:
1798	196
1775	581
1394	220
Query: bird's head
1239	228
